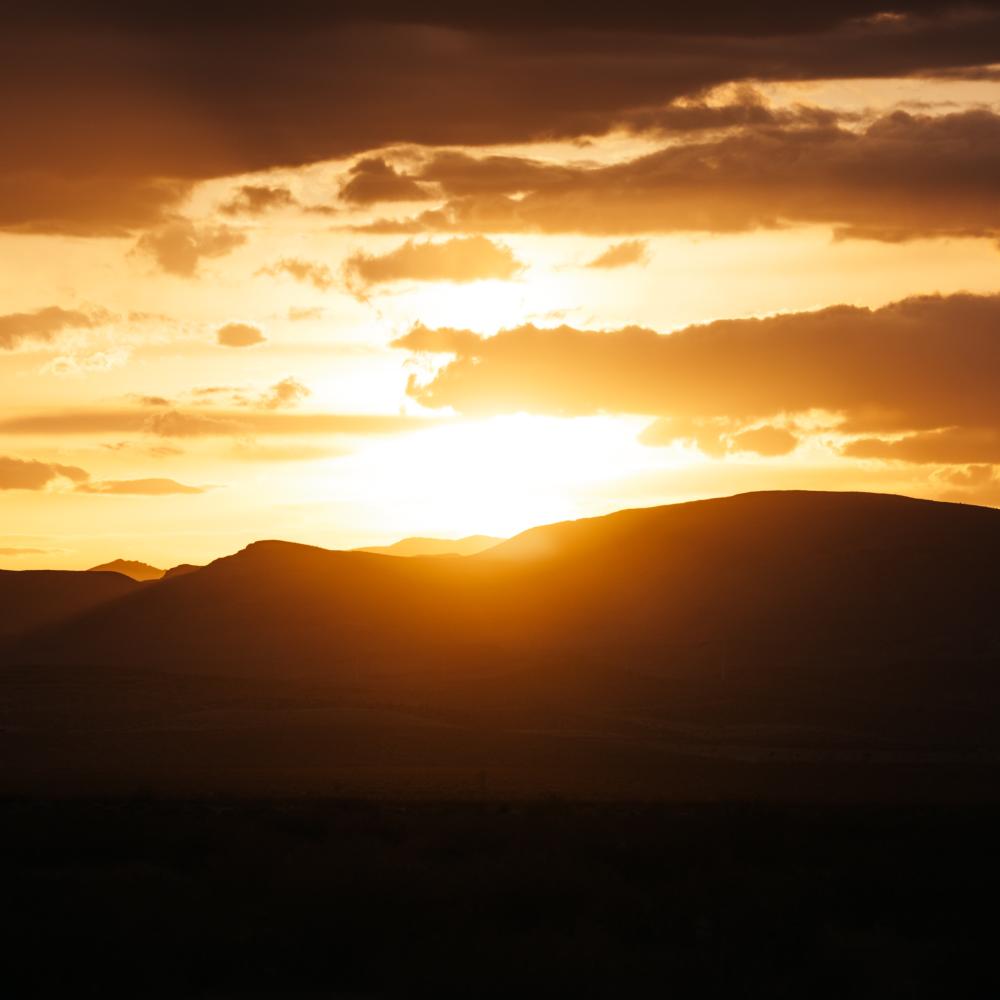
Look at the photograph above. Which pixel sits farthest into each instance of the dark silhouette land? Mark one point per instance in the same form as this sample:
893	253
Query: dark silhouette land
778	645
130	568
743	747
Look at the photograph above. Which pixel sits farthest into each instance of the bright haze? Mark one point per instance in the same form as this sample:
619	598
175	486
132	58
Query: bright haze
343	276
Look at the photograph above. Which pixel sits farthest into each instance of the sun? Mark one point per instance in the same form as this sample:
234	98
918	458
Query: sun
494	476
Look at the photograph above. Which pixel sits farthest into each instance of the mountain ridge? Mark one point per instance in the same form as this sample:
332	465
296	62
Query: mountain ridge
814	631
131	568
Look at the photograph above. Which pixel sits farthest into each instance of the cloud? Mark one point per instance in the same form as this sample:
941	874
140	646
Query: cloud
47	201
153	451
216	423
721	436
299	313
43	325
767	441
948	445
6	551
255	199
902	176
372	180
928	364
319	275
239	335
161	101
287	392
74	365
623	254
179	246
176	423
971	484
139	487
459	260
26	474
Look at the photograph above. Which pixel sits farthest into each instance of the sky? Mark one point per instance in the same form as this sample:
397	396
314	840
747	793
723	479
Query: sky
335	276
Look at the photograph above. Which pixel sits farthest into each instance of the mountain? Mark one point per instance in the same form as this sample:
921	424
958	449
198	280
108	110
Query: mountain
711	648
129	567
33	598
182	569
657	590
468	546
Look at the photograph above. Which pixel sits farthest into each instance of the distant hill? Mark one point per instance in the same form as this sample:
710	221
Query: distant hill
756	632
469	546
129	567
658	590
180	570
33	598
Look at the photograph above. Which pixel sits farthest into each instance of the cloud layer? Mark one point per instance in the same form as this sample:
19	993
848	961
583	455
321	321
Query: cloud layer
43	325
901	176
165	105
925	367
26	474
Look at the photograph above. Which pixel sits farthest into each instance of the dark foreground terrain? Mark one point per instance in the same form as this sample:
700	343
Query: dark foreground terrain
833	659
284	898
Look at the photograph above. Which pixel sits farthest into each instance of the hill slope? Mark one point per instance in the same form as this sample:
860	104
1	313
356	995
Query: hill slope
33	598
646	589
129	567
468	546
758	631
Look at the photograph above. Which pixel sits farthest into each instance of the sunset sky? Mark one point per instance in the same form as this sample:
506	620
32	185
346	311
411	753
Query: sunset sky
309	272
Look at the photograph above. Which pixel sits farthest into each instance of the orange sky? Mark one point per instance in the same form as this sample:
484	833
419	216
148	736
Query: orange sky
462	305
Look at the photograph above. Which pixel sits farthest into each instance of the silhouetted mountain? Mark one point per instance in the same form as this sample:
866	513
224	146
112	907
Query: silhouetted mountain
763	627
31	598
468	546
789	570
181	569
129	567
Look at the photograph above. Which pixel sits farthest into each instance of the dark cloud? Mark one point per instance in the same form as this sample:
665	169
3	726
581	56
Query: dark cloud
372	180
239	335
318	275
139	487
179	246
767	441
26	474
749	109
724	17
924	364
473	258
902	176
255	199
946	446
120	95
46	202
43	325
622	255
